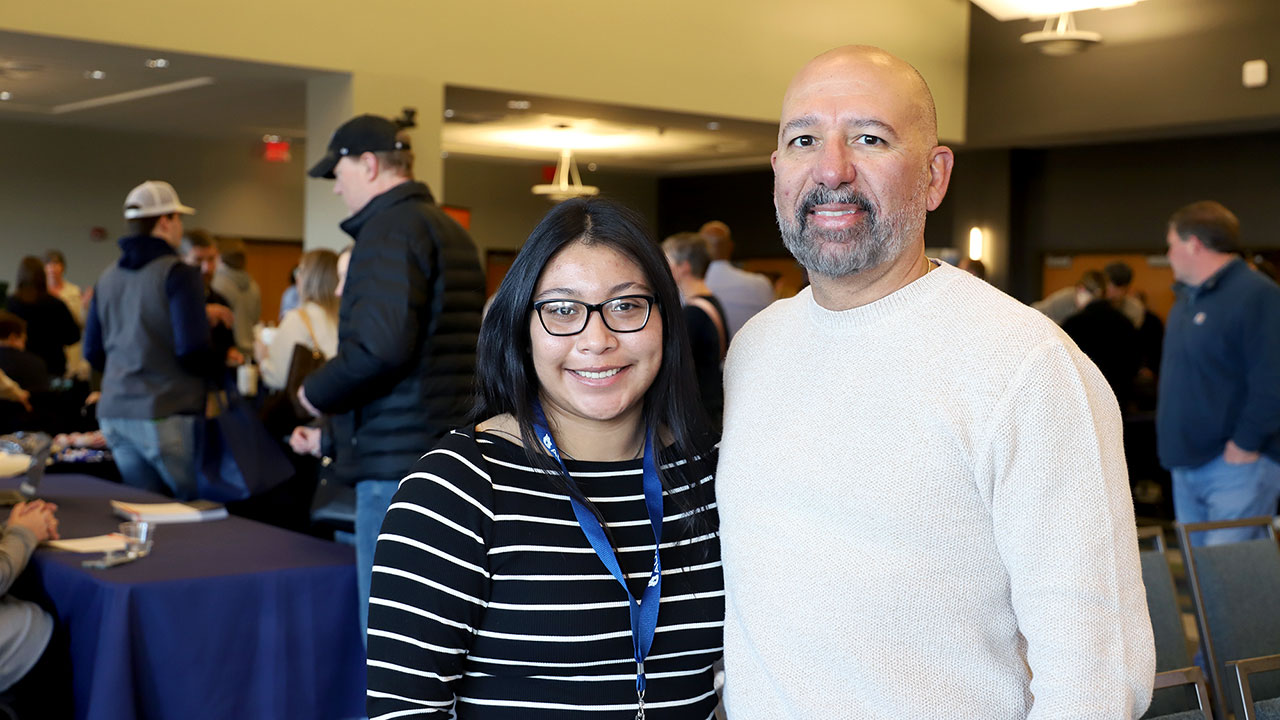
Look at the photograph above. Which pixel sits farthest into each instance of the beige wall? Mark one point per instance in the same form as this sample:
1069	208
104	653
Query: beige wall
721	57
724	57
60	182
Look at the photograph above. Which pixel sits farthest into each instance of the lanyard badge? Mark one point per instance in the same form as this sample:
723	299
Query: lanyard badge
644	611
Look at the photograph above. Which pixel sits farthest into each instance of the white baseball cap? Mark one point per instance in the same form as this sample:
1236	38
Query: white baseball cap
153	198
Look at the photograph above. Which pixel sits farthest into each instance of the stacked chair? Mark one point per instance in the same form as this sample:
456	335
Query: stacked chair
1180	690
1236	591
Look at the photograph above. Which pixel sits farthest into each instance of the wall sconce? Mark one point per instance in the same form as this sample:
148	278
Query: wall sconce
976	242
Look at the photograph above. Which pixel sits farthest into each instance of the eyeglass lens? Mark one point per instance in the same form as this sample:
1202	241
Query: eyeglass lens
569	317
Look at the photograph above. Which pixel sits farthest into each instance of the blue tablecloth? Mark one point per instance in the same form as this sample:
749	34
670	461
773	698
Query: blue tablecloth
224	619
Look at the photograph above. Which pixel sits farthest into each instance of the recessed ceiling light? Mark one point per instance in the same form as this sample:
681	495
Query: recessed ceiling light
94	74
157	63
519	104
591	167
448	113
5	95
713	125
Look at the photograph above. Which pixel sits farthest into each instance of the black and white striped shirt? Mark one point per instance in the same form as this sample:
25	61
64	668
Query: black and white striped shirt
486	590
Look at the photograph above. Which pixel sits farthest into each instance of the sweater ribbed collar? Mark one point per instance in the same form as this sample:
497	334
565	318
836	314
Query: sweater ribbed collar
908	299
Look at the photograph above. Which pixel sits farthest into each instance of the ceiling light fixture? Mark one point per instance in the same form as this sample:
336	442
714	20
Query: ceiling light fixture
564	136
157	63
567	183
1003	10
1060	37
519	104
94	75
5	95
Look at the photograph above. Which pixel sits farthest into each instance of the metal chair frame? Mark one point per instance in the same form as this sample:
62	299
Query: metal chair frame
1187	676
1210	656
1154	533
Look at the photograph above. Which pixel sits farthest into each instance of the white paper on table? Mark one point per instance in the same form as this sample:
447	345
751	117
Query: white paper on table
96	544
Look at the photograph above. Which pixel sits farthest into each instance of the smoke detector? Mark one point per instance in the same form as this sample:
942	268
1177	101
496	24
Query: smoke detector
1060	37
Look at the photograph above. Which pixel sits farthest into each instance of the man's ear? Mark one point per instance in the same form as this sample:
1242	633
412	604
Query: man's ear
369	165
941	160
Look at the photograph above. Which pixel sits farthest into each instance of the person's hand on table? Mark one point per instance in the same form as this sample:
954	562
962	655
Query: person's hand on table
305	440
235	358
38	517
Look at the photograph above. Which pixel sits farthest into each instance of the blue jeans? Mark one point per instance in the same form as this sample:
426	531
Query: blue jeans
1219	491
157	455
373	497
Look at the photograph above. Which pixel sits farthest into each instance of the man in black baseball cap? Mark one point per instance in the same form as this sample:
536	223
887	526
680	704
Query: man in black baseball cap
360	134
407	328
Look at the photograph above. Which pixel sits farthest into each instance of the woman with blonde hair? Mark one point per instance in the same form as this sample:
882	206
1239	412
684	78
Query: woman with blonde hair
313	324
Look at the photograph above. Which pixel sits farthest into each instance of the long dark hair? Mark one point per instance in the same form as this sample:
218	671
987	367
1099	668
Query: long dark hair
32	283
506	382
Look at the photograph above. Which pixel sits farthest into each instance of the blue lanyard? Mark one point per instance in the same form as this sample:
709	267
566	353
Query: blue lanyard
644	612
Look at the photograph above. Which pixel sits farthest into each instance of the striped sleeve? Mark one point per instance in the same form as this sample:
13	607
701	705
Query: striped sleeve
431	583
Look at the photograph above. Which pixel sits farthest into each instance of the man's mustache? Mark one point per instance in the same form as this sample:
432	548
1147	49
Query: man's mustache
843	195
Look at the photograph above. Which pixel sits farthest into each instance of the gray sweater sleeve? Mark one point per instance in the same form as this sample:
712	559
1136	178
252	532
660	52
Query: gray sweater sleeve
16	546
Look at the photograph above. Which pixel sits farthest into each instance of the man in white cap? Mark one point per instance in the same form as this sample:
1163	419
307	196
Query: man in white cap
147	332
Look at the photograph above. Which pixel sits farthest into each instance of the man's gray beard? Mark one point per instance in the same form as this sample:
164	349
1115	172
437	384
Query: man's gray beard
872	242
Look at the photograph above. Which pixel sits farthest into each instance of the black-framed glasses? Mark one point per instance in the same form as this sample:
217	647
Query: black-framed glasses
624	314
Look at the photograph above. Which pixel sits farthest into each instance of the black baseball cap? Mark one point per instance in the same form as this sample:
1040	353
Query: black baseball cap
360	134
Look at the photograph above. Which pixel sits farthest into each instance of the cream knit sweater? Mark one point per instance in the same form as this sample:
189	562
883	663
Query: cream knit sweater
926	514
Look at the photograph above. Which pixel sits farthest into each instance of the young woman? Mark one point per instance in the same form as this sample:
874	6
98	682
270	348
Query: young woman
50	325
313	324
512	558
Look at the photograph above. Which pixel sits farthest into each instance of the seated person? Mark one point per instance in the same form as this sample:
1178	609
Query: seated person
25	628
25	369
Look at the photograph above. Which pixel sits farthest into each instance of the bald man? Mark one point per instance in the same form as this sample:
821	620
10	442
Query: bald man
924	504
742	293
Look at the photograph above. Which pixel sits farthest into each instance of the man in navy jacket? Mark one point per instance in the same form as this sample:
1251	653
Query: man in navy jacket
1218	417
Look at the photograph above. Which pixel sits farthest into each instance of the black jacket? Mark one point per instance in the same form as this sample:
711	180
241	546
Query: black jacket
1110	340
50	328
407	332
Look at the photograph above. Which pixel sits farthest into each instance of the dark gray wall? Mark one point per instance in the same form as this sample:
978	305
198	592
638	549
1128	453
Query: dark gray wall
1164	67
744	201
741	200
1114	197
